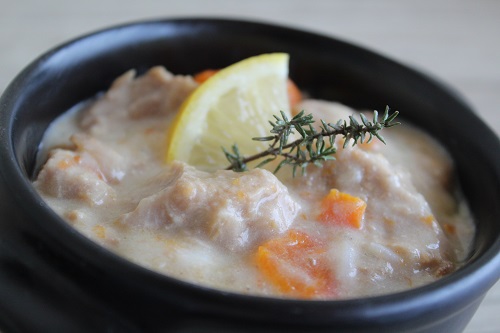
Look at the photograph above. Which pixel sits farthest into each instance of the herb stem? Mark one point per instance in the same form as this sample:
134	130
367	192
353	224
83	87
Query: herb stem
311	147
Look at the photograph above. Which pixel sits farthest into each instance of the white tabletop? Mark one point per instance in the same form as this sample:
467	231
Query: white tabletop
455	41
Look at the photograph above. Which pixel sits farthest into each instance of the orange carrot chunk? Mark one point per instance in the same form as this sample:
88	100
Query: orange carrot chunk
294	94
204	75
295	264
339	208
450	229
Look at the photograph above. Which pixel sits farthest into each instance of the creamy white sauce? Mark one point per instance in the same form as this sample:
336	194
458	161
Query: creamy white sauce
110	182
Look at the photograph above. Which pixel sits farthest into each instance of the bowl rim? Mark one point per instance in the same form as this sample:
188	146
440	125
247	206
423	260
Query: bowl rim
462	282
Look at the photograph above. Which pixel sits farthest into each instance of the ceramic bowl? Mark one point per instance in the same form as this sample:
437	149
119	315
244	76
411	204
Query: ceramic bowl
54	279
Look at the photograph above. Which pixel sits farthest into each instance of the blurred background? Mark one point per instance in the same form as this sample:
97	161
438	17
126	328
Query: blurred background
456	41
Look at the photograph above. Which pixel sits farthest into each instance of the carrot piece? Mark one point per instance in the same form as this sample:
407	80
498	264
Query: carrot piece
295	264
339	208
450	229
204	75
294	94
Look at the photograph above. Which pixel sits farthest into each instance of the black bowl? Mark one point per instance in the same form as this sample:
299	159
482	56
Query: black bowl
52	279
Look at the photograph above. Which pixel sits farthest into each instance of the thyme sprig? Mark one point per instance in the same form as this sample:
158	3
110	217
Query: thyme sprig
311	147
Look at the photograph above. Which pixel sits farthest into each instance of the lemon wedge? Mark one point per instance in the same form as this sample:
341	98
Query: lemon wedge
231	107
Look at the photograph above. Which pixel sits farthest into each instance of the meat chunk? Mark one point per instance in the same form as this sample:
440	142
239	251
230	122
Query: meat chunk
235	210
70	175
157	93
331	112
111	164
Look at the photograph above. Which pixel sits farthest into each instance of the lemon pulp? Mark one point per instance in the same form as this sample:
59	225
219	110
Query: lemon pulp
231	107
